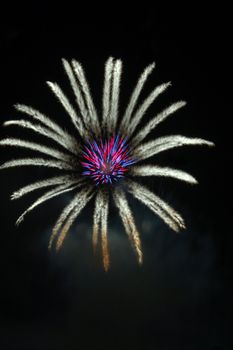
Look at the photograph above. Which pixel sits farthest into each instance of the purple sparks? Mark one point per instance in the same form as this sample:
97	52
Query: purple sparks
107	161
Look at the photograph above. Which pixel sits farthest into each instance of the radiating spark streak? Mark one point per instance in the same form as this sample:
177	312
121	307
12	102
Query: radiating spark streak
157	205
115	93
107	93
128	222
67	211
39	116
82	201
49	151
77	92
68	140
86	91
39	130
96	219
68	107
134	97
104	236
48	163
157	120
144	106
154	170
48	195
149	149
57	180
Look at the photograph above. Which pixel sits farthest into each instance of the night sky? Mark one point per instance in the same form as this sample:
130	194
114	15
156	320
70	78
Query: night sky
181	298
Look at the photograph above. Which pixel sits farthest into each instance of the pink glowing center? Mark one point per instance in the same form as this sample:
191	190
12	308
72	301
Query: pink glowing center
106	162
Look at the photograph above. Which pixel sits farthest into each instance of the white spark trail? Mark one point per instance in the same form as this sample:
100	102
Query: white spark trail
157	120
48	195
86	91
66	212
117	71
77	93
68	140
134	97
57	180
42	131
63	216
48	163
154	170
37	147
128	221
107	92
67	106
104	236
157	205
165	143
81	201
144	106
96	219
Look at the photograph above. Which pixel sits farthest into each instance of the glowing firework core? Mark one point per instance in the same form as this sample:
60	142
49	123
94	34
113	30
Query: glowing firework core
107	161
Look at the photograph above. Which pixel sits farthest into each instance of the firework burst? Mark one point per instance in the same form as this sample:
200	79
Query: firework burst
109	151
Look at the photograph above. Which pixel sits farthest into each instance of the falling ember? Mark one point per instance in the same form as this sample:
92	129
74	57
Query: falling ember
107	161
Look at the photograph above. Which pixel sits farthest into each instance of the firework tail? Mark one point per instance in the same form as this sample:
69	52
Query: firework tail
128	222
151	148
154	170
65	213
103	229
48	195
157	120
68	141
96	219
49	151
78	70
57	180
48	163
107	94
117	70
134	97
81	201
38	129
157	205
144	106
77	92
76	120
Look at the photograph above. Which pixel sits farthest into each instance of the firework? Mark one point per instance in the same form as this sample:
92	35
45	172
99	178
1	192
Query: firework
105	153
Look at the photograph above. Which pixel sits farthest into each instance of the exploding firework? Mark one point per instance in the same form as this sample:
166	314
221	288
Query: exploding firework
106	153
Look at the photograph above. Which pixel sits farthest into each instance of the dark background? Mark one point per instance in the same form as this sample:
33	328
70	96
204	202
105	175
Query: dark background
181	298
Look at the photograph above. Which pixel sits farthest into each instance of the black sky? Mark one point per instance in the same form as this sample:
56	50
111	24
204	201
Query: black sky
181	298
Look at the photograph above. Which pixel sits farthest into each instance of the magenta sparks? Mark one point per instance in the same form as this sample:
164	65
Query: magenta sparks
107	161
